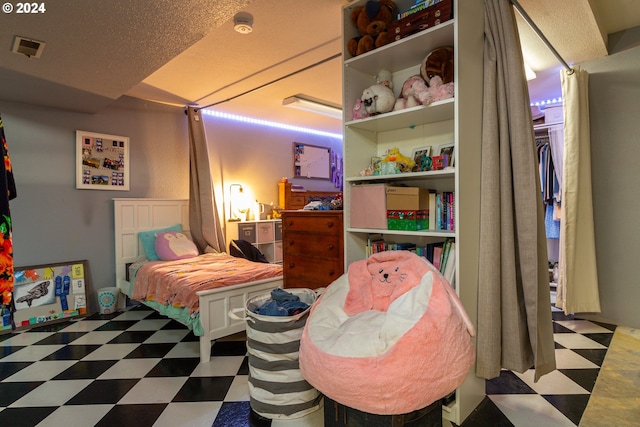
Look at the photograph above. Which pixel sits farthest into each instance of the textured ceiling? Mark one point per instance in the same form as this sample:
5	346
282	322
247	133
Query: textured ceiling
186	52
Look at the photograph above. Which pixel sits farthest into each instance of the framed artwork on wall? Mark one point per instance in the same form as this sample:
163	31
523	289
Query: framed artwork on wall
102	161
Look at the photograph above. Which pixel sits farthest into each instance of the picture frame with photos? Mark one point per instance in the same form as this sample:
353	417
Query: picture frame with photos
375	165
449	151
418	154
102	161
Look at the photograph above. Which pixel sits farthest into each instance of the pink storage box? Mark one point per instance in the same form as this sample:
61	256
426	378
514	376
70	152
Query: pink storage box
369	206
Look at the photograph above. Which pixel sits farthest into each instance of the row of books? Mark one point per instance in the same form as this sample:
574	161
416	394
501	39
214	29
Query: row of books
417	7
441	254
442	211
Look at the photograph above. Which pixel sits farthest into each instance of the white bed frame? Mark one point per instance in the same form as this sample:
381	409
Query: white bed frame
134	215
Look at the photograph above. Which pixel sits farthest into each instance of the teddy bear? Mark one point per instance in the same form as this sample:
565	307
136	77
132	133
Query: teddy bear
378	99
372	21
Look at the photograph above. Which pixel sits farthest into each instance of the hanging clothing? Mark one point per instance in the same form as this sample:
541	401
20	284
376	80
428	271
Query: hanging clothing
550	185
7	192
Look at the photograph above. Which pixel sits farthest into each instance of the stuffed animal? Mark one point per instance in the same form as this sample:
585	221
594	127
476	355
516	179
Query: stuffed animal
414	90
358	110
403	163
384	78
378	99
372	21
439	91
439	62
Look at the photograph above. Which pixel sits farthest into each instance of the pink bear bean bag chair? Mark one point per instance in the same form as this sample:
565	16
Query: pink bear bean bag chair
389	337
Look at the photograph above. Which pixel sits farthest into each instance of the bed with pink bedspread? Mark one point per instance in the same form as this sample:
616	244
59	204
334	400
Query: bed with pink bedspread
176	283
220	282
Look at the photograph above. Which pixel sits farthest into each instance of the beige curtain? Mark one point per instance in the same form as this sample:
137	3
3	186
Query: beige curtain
514	308
206	229
578	275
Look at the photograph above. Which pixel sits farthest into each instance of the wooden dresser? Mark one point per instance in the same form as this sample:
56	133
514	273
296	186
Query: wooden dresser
289	198
312	244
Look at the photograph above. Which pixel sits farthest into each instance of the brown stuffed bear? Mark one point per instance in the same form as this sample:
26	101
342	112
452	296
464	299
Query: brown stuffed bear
372	21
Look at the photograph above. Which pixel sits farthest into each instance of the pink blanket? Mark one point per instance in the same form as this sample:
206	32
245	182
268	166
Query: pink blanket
175	283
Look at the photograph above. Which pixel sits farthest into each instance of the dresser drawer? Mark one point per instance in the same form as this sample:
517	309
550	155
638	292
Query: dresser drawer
310	272
324	246
312	223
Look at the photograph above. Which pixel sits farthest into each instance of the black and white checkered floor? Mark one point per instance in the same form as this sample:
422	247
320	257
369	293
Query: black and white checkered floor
139	368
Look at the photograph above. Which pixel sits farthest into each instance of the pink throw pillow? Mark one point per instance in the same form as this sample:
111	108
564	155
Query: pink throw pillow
172	245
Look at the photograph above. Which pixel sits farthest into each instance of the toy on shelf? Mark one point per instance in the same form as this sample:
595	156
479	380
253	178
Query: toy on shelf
372	21
378	99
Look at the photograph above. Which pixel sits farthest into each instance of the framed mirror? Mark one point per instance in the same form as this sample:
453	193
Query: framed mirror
311	161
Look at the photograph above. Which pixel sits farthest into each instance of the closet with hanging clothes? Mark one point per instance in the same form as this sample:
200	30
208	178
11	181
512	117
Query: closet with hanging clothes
550	147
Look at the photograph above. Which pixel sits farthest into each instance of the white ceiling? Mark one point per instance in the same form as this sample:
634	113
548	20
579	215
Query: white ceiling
186	52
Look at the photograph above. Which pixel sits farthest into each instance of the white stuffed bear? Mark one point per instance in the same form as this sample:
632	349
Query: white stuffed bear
378	99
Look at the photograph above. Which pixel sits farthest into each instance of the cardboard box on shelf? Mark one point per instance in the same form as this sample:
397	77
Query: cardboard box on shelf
407	208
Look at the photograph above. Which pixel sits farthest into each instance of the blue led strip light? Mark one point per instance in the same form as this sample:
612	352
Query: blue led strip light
268	123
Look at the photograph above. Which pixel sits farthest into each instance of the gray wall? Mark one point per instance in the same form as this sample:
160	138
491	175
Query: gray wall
55	222
614	103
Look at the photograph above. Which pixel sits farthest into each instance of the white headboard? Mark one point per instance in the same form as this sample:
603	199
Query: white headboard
134	215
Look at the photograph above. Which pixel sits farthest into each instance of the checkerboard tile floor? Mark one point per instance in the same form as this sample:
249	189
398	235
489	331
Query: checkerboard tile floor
139	368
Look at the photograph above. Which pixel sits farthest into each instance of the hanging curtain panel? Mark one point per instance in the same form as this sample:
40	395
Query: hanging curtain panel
578	275
514	316
206	229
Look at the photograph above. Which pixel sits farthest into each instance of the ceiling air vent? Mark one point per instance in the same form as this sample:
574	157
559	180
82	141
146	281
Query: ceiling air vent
29	47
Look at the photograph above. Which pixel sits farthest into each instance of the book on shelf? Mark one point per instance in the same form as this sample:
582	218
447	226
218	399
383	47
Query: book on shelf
441	211
432	209
437	256
444	256
375	244
450	267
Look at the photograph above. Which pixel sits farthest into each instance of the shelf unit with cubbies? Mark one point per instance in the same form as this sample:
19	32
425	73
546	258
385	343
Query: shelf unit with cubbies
457	120
266	235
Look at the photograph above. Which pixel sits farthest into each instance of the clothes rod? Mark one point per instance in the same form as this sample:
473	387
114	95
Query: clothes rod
535	28
308	67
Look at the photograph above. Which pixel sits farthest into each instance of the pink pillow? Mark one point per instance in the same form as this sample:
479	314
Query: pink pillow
172	245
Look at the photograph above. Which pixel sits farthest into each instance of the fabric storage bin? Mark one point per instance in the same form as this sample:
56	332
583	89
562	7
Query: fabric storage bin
369	206
247	232
338	415
265	232
277	389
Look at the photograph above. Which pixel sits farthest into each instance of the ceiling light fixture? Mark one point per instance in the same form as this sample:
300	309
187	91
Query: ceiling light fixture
243	22
312	106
